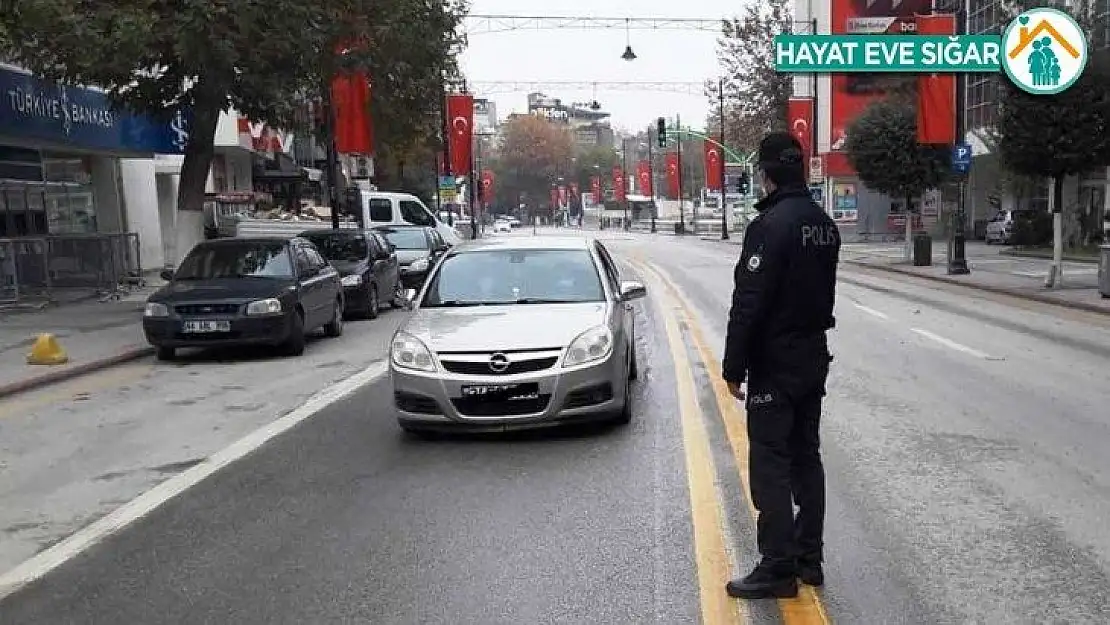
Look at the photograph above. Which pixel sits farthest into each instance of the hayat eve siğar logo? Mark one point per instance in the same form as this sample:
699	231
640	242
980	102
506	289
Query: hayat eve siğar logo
1045	51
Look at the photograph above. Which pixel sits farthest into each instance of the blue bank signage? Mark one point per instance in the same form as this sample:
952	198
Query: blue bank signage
32	108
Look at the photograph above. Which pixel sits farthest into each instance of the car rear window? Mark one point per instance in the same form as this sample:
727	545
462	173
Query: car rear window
339	246
485	277
407	238
242	260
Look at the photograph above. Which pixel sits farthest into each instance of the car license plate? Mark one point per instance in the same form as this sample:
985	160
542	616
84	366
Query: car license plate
197	327
502	392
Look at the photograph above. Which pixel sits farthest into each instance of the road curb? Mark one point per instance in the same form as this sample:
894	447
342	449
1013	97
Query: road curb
61	375
1067	258
1036	297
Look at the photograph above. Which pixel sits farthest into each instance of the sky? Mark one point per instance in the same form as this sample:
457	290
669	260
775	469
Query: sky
590	55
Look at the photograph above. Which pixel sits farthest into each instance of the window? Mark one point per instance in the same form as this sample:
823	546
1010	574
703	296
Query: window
339	246
407	238
415	214
385	244
254	260
515	277
610	267
304	264
381	210
314	257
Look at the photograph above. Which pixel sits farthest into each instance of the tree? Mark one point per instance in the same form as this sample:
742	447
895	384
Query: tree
593	160
535	153
266	60
883	149
755	94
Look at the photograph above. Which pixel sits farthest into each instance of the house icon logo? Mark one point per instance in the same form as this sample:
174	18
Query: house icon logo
1045	51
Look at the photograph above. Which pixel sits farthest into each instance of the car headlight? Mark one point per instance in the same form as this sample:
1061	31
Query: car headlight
353	280
419	265
154	309
264	307
593	344
409	352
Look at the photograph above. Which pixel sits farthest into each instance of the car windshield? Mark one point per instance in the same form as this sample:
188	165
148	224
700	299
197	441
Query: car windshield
339	246
240	260
407	238
487	277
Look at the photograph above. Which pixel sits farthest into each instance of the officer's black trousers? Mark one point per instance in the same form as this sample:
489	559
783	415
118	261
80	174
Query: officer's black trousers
785	468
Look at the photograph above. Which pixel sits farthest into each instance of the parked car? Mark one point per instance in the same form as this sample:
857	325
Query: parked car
245	291
1000	229
418	249
367	265
517	333
502	225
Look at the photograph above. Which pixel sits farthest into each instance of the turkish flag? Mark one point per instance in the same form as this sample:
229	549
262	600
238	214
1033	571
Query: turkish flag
713	162
595	183
350	101
799	116
487	185
554	197
619	185
673	179
562	196
643	177
936	93
460	129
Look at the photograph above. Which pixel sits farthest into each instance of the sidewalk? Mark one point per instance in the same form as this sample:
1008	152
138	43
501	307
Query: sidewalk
1005	275
94	334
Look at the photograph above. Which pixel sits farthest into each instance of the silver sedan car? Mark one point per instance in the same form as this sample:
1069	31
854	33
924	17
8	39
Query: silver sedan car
517	333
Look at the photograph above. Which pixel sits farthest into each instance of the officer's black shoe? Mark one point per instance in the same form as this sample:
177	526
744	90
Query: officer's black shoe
811	573
763	583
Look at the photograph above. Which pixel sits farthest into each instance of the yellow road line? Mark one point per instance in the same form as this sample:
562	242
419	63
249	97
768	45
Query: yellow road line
806	608
710	556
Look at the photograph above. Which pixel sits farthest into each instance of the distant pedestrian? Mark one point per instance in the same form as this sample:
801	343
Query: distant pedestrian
782	307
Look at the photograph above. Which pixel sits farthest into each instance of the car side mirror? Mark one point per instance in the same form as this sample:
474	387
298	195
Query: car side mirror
408	298
632	290
167	275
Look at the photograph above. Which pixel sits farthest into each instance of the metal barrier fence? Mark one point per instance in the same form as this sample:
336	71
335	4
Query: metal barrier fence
48	267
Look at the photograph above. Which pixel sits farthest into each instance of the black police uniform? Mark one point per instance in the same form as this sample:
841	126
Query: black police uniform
782	307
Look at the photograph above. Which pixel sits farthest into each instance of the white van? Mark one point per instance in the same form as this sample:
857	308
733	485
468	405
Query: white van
383	208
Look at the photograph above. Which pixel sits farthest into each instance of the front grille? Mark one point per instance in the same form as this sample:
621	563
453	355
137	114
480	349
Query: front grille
481	407
483	368
200	310
419	404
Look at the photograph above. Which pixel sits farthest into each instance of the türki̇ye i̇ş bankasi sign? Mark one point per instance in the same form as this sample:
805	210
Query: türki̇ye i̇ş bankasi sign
1043	52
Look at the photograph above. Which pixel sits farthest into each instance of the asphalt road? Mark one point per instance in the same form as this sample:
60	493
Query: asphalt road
965	441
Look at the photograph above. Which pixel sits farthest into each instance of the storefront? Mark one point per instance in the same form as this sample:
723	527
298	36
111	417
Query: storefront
60	151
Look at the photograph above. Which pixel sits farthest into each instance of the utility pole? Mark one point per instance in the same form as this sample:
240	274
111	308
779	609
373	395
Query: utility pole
681	178
721	161
331	154
957	251
651	178
445	132
624	179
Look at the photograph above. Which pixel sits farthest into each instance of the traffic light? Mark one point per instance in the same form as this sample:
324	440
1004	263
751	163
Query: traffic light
744	184
661	131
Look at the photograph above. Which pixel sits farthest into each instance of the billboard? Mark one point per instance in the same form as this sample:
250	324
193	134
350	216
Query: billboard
852	93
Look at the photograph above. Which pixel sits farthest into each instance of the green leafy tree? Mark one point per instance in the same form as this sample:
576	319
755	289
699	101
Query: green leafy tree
1059	135
589	162
266	60
533	155
755	94
883	149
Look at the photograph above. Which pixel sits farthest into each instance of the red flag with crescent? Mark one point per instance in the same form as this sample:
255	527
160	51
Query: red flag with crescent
487	185
799	114
350	100
595	184
554	197
562	196
713	156
643	177
673	179
619	185
460	129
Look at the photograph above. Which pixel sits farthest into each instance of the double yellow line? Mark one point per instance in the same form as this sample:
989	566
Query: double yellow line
711	551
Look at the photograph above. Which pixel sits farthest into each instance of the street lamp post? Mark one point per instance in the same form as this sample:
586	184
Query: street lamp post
624	180
681	178
651	179
600	206
721	161
957	252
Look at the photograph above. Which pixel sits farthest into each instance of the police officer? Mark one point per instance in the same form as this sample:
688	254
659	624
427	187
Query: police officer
782	307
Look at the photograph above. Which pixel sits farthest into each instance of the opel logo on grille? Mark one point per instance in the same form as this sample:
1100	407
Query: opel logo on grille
498	363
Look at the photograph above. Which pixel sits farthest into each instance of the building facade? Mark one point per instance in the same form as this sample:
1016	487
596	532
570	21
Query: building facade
832	102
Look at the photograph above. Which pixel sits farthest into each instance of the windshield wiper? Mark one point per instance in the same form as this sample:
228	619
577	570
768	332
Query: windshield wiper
542	300
453	303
